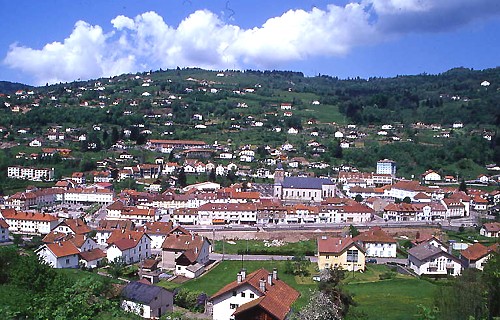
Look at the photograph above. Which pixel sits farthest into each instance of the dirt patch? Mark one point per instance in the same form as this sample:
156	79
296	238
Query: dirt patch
301	235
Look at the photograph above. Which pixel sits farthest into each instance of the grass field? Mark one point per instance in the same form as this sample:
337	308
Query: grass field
395	298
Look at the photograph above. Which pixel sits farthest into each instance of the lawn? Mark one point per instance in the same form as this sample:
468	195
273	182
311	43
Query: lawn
226	272
396	298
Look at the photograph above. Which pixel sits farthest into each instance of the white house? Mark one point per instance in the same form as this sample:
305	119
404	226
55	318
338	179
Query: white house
490	229
427	259
476	255
29	222
194	247
258	295
131	246
377	243
62	254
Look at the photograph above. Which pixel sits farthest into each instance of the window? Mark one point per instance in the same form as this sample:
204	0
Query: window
67	261
252	295
352	255
234	293
328	257
243	294
233	306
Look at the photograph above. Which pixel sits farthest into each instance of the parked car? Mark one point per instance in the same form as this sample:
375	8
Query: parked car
371	260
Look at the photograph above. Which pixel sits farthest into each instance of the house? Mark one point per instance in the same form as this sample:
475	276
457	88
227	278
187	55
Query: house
476	255
180	251
61	254
78	177
490	229
4	231
131	246
258	295
377	243
29	222
430	176
480	204
92	259
146	300
157	231
431	260
343	253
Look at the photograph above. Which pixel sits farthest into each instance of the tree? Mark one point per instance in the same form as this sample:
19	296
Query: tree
330	302
212	176
181	178
116	267
353	231
491	279
406	200
462	186
358	198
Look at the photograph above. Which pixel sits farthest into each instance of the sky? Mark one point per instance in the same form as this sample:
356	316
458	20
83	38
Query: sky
54	41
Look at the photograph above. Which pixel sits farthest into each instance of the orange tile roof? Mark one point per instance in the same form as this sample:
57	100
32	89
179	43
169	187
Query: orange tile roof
63	248
475	252
375	234
335	245
3	224
93	254
29	216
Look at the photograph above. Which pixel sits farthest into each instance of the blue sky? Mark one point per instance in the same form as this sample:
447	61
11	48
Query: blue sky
62	41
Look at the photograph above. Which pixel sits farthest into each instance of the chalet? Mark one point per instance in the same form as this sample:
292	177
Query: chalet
106	227
146	300
428	259
157	231
343	253
430	176
476	255
490	229
93	258
258	295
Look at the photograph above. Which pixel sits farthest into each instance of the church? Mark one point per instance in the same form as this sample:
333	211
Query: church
301	189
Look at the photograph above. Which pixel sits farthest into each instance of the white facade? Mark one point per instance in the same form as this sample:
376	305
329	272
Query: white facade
439	265
225	305
386	167
88	196
380	249
29	173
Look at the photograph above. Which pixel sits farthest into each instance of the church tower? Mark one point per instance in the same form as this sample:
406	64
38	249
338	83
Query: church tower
279	177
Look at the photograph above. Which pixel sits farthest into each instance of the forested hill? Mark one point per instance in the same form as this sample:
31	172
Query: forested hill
458	95
7	87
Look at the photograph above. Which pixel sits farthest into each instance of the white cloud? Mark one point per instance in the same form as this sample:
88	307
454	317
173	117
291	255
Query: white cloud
202	39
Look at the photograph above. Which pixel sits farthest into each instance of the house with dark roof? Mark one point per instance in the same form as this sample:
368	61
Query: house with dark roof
343	253
258	295
476	255
377	243
146	300
428	259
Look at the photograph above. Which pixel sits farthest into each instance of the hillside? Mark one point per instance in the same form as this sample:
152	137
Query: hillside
446	122
7	87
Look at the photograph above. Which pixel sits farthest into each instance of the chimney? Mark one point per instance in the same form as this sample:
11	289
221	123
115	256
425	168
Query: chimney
262	285
238	278
275	274
243	273
270	279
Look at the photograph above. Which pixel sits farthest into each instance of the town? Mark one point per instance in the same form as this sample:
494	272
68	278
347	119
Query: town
143	178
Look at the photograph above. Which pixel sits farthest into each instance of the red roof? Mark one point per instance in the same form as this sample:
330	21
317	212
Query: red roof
375	234
63	248
93	254
30	216
335	245
476	252
492	226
